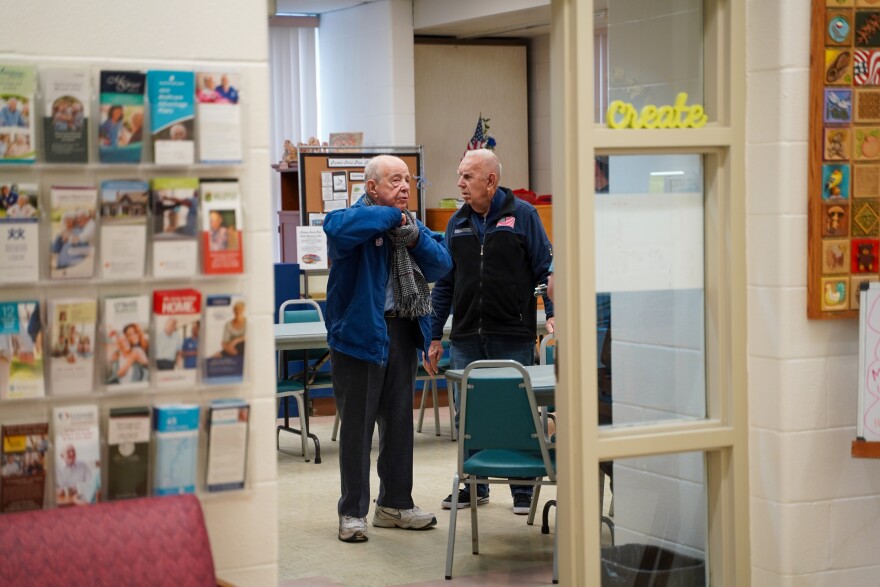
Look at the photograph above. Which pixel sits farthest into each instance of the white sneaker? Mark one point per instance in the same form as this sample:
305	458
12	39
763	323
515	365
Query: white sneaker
352	529
414	519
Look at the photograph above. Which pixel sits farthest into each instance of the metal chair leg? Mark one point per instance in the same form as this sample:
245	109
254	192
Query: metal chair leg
451	397
556	551
475	530
335	426
303	426
453	516
436	405
533	508
422	406
304	433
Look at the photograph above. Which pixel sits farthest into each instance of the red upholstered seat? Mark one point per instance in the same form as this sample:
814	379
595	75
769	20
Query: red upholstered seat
149	541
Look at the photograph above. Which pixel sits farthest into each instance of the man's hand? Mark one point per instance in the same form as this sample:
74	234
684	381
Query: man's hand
551	325
435	351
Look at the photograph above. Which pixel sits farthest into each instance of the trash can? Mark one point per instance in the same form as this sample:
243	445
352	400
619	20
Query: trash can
644	565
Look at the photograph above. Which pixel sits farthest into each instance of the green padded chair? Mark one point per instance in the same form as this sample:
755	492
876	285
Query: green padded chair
499	418
296	385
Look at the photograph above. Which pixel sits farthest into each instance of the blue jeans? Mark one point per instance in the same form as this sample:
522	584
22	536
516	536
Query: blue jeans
465	351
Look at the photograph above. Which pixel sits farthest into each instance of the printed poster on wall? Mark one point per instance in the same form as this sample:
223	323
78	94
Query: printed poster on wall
311	246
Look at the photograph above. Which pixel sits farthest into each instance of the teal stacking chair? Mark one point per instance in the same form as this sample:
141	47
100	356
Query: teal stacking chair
430	382
500	436
296	385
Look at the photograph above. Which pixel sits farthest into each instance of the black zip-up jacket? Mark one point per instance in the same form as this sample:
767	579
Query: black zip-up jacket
490	289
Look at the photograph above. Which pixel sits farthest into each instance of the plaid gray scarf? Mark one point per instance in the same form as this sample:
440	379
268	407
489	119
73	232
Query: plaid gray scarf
412	297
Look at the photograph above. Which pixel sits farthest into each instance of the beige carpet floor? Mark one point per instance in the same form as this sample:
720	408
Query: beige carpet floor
511	552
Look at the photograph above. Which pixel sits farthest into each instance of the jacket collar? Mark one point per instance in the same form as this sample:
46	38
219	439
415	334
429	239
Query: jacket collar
503	203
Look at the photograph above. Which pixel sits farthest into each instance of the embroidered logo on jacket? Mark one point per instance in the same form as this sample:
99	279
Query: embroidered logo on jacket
508	221
379	242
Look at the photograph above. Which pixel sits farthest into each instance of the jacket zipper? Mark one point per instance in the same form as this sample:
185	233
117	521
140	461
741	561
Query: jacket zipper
480	327
482	244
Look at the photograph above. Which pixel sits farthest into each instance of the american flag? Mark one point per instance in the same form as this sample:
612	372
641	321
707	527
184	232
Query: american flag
481	138
477	142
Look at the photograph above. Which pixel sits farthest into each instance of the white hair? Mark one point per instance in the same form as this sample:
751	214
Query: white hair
487	159
376	166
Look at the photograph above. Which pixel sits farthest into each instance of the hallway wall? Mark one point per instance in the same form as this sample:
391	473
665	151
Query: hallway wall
814	510
165	34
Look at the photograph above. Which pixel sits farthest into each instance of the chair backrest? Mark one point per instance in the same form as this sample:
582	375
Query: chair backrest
286	285
300	310
498	411
547	351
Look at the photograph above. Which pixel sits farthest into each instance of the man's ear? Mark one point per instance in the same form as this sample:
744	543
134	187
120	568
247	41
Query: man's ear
493	180
371	187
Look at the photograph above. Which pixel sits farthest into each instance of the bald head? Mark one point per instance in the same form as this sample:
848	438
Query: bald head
486	160
376	166
478	176
387	181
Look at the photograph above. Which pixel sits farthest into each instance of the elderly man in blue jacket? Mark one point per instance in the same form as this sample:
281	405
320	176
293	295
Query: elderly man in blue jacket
378	315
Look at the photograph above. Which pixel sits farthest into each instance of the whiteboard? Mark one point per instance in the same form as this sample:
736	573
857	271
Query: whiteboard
868	423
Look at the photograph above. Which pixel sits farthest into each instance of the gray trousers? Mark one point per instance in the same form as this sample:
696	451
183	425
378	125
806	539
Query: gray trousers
366	394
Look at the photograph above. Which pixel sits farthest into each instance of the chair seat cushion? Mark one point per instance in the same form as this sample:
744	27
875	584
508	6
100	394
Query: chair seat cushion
506	463
143	541
289	386
322	379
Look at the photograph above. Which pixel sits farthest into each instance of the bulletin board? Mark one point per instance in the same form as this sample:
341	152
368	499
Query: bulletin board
342	171
844	156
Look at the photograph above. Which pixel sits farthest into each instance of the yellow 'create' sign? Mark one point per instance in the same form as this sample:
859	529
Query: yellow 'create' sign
623	114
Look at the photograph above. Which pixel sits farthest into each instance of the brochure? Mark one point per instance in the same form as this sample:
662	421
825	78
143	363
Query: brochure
222	247
218	117
66	104
74	228
23	473
77	455
20	233
128	451
72	335
121	128
172	115
124	207
176	428
21	352
17	137
178	315
227	444
225	330
175	204
126	342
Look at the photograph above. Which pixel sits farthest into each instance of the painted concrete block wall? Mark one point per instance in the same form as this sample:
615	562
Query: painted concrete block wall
222	34
814	510
366	72
661	501
658	372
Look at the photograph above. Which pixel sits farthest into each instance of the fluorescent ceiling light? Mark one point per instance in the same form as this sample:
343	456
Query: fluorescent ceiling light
667	173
